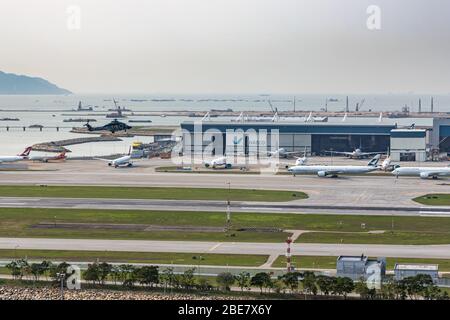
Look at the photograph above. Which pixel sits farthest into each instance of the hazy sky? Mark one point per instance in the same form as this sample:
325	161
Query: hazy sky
230	46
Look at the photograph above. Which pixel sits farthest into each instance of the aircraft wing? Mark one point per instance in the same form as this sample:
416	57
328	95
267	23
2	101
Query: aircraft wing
372	153
102	159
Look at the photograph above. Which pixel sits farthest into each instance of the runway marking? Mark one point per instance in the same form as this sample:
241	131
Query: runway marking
257	208
215	247
12	203
434	212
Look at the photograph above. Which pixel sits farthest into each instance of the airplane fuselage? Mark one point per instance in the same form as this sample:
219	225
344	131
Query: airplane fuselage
422	172
11	158
122	161
323	171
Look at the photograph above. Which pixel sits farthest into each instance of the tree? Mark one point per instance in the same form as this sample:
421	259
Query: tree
309	283
416	286
343	286
104	269
92	273
168	278
148	275
225	280
188	279
56	270
45	266
18	268
261	280
388	290
362	289
290	280
37	270
127	275
325	284
243	280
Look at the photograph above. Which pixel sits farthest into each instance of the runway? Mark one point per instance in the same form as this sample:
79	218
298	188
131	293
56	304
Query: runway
202	205
369	190
400	251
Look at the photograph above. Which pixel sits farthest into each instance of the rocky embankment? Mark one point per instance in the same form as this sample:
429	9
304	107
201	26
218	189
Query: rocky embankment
29	293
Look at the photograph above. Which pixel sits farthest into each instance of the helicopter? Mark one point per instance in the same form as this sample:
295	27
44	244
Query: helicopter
113	126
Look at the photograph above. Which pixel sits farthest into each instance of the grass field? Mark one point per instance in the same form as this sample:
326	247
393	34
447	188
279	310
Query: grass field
329	262
17	222
137	257
437	199
150	193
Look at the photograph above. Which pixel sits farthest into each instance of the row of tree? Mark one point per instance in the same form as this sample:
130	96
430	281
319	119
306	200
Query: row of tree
307	283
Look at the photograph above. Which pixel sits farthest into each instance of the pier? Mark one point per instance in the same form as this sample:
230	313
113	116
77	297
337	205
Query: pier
59	146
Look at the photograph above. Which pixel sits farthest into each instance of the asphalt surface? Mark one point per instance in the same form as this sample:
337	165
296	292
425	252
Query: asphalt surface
201	205
369	194
368	190
429	251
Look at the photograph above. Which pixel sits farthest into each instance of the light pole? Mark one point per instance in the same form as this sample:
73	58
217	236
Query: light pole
229	208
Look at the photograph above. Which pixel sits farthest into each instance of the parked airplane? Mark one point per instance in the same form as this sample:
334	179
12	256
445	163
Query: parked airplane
333	171
61	156
19	157
301	161
386	164
282	153
422	172
355	154
218	162
119	162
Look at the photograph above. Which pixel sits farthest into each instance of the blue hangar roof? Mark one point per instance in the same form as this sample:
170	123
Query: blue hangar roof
305	128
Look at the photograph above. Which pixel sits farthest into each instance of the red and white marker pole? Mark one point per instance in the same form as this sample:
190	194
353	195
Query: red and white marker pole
288	254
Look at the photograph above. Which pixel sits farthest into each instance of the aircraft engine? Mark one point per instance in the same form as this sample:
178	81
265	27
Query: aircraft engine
322	174
424	175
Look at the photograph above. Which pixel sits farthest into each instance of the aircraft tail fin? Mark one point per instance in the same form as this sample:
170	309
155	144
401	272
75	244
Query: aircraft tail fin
374	161
26	152
88	126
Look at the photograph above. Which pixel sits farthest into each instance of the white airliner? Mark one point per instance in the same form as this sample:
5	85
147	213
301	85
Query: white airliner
422	172
282	153
386	164
355	154
119	162
334	171
19	157
218	162
301	161
61	156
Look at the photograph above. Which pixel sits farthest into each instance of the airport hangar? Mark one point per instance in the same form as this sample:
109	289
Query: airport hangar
405	144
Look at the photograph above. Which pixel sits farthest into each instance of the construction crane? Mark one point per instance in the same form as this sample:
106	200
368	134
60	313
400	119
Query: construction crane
359	105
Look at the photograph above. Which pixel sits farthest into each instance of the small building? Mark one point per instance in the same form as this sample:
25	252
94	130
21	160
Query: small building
402	271
358	267
408	145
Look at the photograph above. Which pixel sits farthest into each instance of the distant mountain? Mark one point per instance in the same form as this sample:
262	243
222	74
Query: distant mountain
17	84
